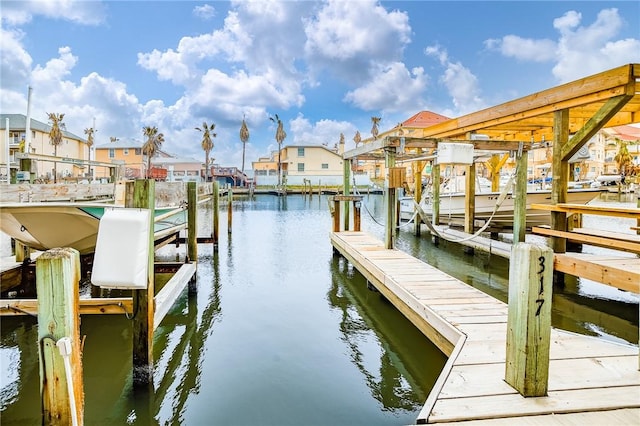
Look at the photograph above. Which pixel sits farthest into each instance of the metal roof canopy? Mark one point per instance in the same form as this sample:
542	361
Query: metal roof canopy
607	99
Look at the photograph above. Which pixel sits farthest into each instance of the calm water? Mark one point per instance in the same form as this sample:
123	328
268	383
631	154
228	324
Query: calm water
281	332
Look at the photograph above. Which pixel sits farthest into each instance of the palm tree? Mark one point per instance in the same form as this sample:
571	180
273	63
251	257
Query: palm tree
357	138
207	145
244	137
623	159
152	144
374	128
55	136
280	136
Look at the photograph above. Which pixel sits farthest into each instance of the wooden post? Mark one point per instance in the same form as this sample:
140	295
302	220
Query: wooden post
560	169
22	252
336	215
356	215
141	194
192	225
435	177
57	277
347	190
520	200
417	194
470	199
229	210
216	210
390	198
529	319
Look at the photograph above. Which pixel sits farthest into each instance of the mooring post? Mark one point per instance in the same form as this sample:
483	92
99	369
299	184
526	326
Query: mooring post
529	319
347	190
192	225
336	215
216	211
141	194
356	213
229	209
61	385
417	194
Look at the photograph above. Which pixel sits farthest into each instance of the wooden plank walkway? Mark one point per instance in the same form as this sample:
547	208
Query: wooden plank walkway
591	381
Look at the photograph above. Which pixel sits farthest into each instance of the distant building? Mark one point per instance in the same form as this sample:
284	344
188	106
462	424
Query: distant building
231	176
126	152
73	147
179	169
315	163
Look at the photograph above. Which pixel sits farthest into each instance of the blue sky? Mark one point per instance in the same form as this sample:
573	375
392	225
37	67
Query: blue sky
324	67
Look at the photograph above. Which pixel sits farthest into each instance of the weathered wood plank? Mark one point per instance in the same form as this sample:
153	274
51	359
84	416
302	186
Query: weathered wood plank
515	405
616	272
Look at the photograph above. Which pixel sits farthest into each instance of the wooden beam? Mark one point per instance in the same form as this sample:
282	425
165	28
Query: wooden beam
593	126
166	297
559	185
594	240
631	213
117	306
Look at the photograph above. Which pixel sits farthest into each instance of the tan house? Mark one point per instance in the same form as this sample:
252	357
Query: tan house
125	152
72	153
315	163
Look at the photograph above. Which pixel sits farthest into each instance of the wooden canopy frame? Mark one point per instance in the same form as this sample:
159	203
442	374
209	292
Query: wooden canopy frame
610	98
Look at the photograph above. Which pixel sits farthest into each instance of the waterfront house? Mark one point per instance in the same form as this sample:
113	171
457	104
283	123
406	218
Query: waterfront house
179	169
123	151
316	163
73	147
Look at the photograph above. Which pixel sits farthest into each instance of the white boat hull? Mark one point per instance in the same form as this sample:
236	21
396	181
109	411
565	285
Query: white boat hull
43	226
452	207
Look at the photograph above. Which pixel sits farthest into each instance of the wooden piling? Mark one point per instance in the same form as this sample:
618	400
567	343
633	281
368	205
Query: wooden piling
229	210
192	222
390	200
141	194
347	190
216	210
57	277
529	319
520	200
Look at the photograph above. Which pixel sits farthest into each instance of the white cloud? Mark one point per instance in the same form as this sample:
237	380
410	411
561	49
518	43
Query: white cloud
586	50
524	48
205	12
347	38
462	85
394	88
15	61
323	132
80	12
580	50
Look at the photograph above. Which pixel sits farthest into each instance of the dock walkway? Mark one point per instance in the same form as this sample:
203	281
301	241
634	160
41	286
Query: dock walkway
591	381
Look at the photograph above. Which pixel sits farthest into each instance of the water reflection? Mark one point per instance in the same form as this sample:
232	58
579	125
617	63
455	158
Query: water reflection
399	379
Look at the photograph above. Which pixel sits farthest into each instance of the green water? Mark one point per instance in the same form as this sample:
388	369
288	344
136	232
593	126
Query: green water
280	332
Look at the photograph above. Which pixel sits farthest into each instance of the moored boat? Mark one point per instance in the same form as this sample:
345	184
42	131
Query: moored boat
46	225
452	207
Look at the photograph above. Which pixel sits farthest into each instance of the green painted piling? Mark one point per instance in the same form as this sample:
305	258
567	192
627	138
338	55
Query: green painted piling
192	225
57	277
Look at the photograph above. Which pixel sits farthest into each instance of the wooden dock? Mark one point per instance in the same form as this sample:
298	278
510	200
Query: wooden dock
591	381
